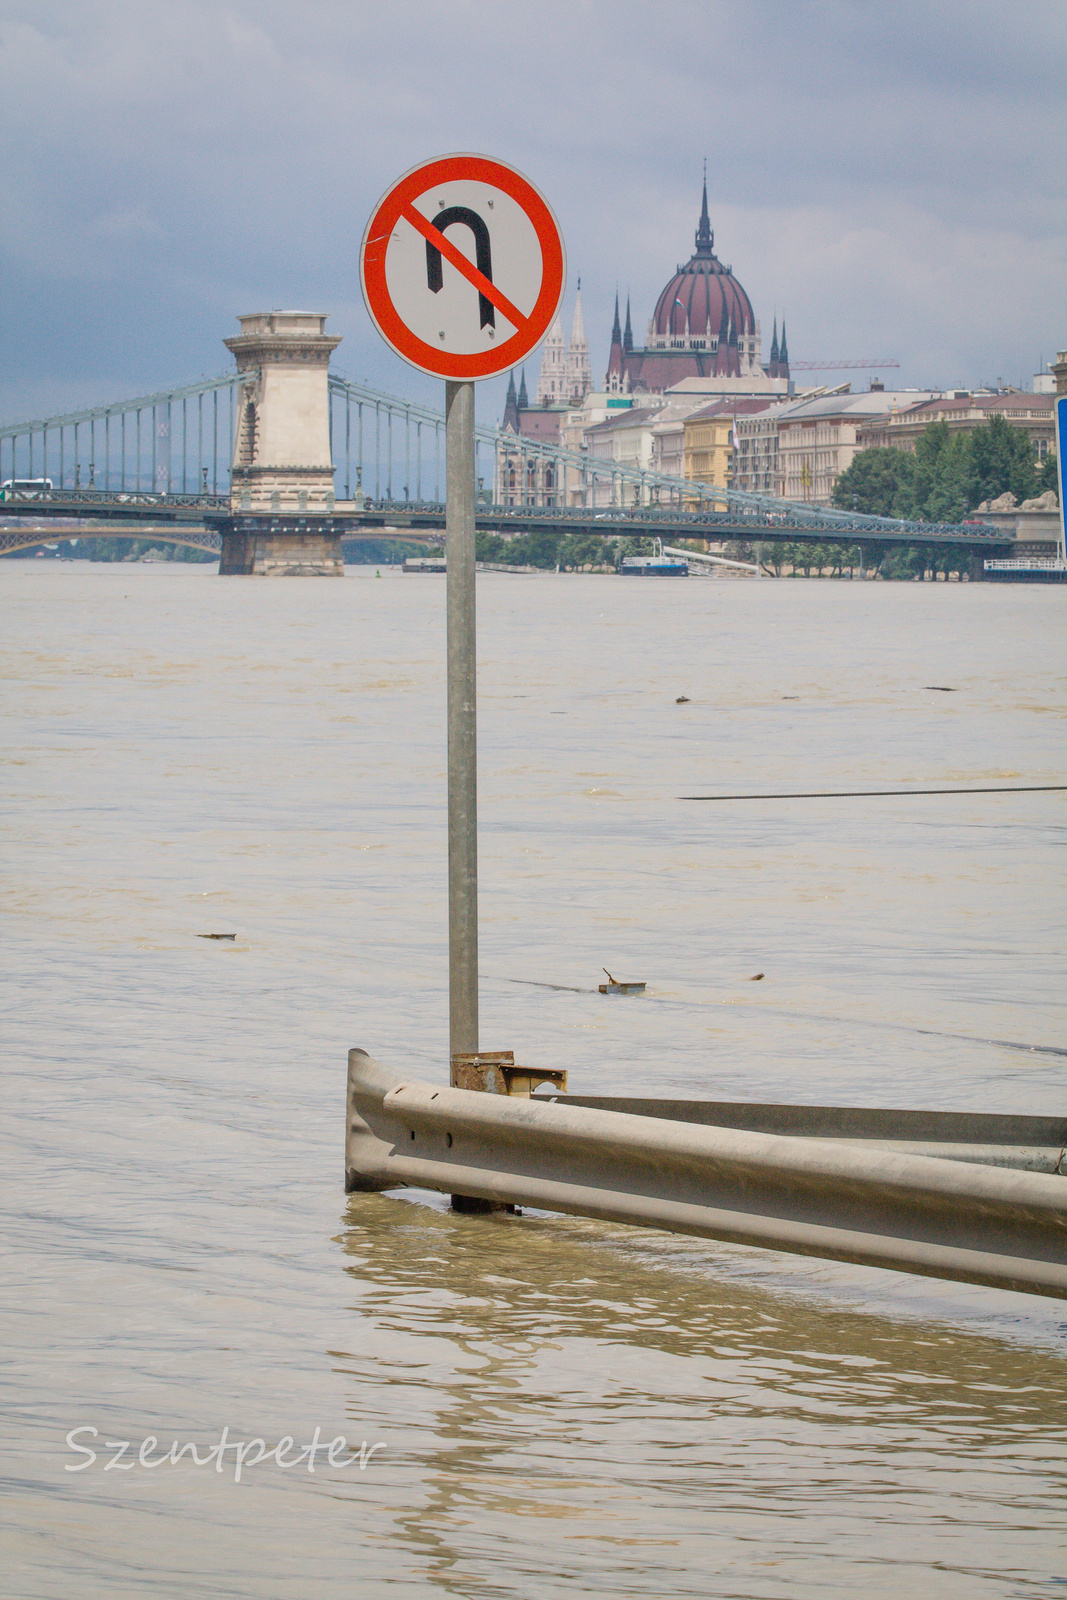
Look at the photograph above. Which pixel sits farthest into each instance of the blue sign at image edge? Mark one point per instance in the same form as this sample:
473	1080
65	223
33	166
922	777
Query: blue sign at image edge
1061	434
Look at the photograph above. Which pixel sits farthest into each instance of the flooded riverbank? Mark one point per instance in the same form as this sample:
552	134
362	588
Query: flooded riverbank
566	1407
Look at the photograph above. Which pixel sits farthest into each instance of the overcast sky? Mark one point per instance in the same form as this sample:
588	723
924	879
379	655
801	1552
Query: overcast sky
888	175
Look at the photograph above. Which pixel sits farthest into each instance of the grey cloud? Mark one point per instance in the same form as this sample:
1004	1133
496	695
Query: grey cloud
886	176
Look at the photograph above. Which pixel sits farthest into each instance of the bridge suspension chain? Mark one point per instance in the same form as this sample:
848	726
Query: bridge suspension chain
175	441
179	444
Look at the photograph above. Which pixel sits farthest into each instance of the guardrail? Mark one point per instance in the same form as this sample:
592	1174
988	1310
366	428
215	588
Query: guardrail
849	1198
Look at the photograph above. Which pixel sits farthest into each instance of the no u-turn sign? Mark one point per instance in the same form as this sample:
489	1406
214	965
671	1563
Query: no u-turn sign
463	267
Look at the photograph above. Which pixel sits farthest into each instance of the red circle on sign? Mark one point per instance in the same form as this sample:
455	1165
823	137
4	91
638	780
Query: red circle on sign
396	205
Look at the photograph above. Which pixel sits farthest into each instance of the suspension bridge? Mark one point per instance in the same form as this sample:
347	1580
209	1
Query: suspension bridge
207	463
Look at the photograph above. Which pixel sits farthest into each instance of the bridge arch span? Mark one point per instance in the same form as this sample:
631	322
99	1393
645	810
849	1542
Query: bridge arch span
12	540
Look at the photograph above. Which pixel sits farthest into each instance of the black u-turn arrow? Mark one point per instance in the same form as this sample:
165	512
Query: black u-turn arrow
483	258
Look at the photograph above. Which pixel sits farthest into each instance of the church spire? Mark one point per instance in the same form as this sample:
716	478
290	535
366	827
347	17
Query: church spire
524	399
783	355
579	373
615	375
705	239
774	348
577	326
552	381
628	333
511	406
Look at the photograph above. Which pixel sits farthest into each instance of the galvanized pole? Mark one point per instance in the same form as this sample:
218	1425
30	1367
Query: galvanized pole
462	743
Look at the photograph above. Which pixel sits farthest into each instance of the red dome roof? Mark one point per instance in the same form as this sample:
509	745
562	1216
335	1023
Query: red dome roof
696	297
703	296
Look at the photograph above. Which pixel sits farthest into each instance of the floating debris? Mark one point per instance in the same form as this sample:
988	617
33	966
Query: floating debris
940	688
682	700
756	977
216	936
613	986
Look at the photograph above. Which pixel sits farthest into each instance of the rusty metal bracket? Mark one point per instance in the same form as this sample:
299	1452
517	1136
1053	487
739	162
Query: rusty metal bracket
495	1072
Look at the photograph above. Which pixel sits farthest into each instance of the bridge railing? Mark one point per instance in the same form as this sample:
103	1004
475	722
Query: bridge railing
175	442
180	442
393	450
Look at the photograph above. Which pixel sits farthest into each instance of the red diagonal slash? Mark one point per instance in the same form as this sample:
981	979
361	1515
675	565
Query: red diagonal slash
456	257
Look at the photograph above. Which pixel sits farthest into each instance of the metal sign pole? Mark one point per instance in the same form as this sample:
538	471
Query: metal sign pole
514	286
462	740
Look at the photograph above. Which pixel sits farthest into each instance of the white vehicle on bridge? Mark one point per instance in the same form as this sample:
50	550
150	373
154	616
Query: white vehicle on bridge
19	486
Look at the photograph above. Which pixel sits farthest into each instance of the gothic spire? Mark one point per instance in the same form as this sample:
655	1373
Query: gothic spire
511	405
705	239
579	378
614	378
524	399
550	384
578	327
774	347
783	353
628	333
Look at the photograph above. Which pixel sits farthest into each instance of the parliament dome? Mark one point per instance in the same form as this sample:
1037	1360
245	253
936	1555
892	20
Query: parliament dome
703	300
703	328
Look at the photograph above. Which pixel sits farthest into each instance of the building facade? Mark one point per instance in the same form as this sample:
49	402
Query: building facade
711	440
819	439
565	380
963	412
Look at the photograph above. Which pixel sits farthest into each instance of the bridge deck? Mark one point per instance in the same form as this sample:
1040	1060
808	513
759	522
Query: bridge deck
189	518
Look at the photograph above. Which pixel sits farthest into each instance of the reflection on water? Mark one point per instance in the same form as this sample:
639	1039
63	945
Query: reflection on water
568	1407
679	1428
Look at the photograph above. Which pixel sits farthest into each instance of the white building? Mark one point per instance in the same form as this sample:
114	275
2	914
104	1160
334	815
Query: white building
817	440
566	376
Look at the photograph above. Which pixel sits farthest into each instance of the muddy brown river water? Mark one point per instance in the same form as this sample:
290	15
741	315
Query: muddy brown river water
565	1407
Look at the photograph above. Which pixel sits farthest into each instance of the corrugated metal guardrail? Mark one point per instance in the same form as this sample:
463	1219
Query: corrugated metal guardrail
850	1197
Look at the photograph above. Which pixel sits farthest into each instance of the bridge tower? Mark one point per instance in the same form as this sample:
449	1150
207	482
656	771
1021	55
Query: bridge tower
282	520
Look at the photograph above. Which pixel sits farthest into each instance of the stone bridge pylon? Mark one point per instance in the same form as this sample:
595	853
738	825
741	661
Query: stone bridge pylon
283	520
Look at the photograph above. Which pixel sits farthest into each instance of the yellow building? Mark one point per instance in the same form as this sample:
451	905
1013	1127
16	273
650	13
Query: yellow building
708	450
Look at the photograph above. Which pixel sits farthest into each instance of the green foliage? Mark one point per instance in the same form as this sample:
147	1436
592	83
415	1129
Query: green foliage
1048	477
905	562
878	483
113	549
584	550
948	475
539	549
186	552
570	552
490	547
910	562
379	552
89	548
941	489
1002	461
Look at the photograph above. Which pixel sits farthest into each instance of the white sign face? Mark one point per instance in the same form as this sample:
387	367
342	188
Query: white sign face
463	267
454	315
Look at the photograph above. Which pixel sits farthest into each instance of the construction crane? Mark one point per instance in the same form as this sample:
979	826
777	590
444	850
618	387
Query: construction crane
840	366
